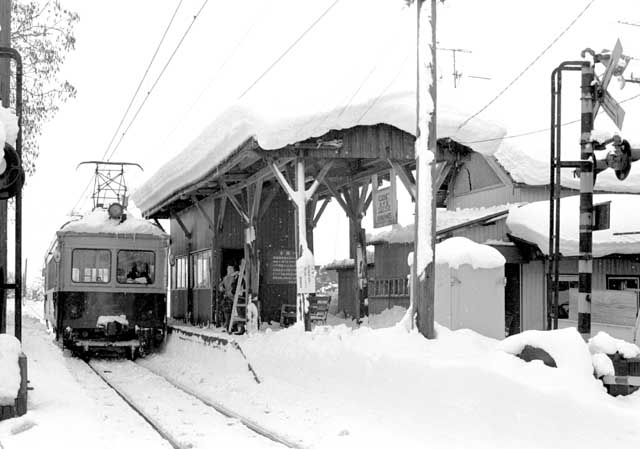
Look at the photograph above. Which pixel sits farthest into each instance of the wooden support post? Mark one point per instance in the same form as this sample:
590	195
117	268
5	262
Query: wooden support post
424	274
300	196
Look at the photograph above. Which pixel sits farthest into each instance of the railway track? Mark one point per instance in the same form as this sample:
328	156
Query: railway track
178	414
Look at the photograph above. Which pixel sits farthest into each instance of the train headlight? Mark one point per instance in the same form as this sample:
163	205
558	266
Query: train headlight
115	211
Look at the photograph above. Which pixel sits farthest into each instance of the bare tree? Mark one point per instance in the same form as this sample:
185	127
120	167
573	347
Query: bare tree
43	34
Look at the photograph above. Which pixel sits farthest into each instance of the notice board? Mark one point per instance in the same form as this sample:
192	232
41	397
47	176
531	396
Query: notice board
281	266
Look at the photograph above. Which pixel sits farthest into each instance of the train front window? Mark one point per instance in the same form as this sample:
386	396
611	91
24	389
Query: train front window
136	267
91	265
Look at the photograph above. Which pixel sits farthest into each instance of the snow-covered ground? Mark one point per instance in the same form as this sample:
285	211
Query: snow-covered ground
69	406
382	386
378	385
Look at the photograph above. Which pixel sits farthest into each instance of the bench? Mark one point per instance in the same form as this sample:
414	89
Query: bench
318	311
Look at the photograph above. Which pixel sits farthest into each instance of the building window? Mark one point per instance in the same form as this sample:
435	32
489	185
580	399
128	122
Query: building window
136	267
91	265
200	264
180	278
623	283
567	286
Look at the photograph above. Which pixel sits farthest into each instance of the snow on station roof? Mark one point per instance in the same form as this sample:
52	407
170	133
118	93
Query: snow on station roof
445	220
244	126
531	223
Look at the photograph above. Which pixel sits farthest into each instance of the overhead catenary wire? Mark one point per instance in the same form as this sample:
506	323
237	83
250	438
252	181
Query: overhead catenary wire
144	76
133	97
537	131
155	83
536	59
284	53
217	73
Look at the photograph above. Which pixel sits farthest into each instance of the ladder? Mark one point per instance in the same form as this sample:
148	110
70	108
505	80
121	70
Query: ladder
239	299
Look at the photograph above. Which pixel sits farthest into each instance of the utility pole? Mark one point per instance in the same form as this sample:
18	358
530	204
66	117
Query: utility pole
5	89
426	100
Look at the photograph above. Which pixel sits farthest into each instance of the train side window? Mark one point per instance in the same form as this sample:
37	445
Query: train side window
91	265
136	267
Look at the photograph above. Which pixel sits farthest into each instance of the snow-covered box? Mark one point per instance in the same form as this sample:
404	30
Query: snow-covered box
13	378
470	287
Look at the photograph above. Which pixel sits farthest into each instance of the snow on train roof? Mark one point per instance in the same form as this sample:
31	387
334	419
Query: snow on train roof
531	223
98	222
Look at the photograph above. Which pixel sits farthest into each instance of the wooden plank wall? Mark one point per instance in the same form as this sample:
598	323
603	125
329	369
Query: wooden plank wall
276	230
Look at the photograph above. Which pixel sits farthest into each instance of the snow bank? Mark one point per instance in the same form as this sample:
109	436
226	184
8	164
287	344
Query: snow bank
531	223
566	346
98	221
8	127
602	365
457	251
606	344
9	370
444	219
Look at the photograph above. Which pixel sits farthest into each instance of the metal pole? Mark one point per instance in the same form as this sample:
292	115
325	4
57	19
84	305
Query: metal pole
585	261
5	89
556	199
424	275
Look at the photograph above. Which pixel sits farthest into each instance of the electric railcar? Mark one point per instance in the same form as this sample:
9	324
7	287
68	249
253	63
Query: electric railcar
105	283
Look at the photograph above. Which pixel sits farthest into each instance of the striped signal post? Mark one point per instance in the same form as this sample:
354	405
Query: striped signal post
585	261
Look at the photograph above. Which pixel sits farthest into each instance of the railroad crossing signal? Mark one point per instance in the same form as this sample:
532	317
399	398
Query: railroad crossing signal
603	97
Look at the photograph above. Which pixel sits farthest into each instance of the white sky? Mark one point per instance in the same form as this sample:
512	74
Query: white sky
116	39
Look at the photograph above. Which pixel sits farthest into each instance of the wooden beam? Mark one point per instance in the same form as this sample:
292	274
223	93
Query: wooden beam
208	219
318	214
339	199
367	203
223	210
177	218
362	199
441	174
282	181
267	201
319	177
158	224
234	202
255	202
349	200
405	178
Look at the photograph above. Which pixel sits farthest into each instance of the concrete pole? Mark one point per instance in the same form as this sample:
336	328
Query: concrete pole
5	89
585	261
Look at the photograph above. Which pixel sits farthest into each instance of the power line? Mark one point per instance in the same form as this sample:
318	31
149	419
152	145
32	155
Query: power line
304	33
115	133
393	80
164	68
528	66
217	72
144	76
537	131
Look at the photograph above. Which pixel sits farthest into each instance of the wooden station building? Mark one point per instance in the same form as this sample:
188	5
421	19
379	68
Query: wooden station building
237	192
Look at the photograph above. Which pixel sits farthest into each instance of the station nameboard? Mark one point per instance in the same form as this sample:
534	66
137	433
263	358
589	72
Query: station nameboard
281	266
385	204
